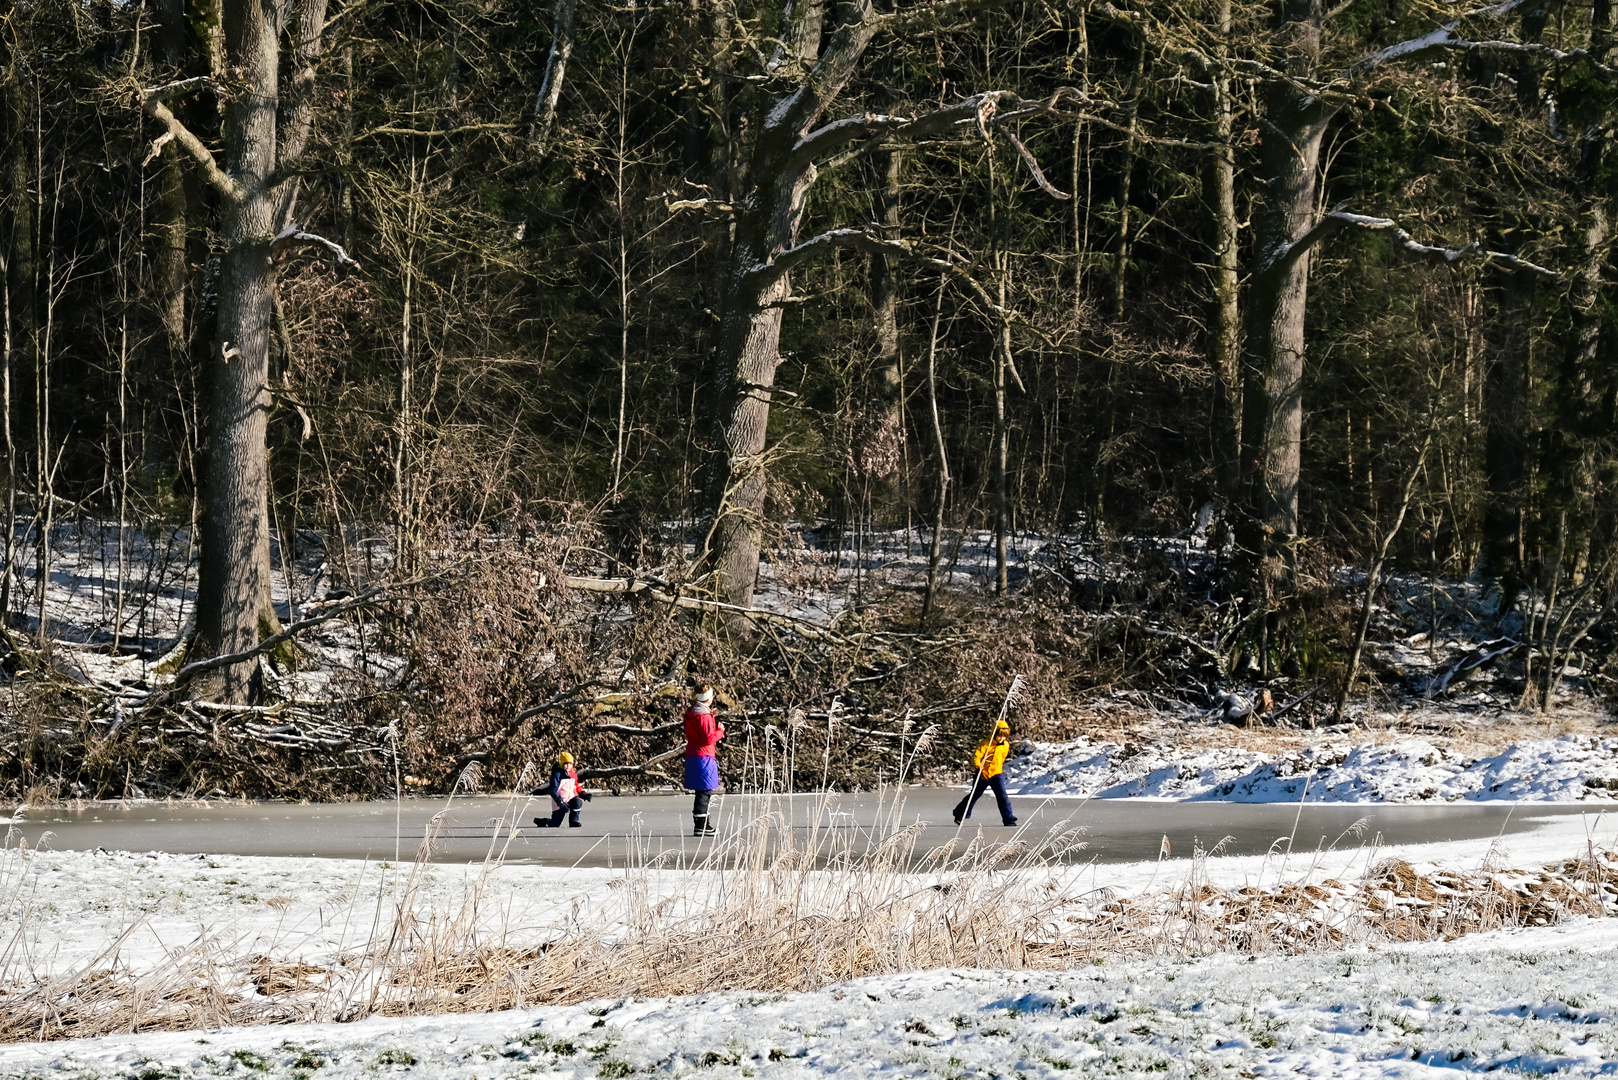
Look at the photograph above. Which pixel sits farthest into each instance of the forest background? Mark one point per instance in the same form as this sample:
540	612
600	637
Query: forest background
498	340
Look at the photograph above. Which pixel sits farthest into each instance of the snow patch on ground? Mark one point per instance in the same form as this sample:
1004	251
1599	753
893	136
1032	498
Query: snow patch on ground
1537	1002
1571	768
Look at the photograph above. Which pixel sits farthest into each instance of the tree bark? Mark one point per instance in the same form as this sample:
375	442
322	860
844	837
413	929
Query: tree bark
233	593
170	261
1272	394
1224	339
885	296
1002	438
20	293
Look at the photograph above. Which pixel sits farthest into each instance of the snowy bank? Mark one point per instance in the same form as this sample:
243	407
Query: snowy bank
1532	1002
1571	768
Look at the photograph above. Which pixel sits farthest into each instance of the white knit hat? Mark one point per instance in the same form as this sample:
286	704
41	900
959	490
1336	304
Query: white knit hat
704	695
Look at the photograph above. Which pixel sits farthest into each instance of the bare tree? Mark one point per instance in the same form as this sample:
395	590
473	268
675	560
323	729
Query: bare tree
792	148
234	611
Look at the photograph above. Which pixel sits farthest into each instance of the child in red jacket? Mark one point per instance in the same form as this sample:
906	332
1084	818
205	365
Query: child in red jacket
702	735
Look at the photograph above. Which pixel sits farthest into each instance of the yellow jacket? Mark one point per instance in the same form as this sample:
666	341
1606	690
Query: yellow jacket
991	757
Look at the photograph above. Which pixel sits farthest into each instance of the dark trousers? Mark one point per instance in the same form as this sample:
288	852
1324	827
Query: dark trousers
574	805
699	806
963	809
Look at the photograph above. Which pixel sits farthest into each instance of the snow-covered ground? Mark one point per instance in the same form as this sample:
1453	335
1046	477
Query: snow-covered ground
1528	1003
1571	768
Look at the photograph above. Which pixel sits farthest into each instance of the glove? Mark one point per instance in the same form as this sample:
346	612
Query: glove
586	796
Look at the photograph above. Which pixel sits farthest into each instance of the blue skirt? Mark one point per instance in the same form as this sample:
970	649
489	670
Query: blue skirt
702	774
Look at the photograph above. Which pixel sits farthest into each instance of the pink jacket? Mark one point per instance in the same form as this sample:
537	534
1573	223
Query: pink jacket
702	732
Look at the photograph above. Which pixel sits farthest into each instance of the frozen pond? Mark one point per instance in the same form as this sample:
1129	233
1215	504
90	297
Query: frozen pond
1118	830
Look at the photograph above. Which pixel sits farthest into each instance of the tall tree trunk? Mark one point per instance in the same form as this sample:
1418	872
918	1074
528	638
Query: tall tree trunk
887	403
748	350
1002	436
20	290
233	594
1225	339
1272	394
169	265
885	295
1505	417
936	547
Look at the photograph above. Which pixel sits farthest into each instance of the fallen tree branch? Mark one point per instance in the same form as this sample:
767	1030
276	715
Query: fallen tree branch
633	586
631	729
376	594
1486	652
630	770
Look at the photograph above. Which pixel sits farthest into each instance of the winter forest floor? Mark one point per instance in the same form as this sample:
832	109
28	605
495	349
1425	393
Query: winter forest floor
1137	682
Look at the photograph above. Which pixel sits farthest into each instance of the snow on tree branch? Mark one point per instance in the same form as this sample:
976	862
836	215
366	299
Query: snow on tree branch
1448	256
1445	39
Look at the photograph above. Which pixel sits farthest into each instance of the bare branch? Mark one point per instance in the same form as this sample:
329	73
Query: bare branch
430	133
1444	39
157	148
293	238
629	770
834	238
151	102
1033	166
631	729
1448	256
178	88
631	586
376	594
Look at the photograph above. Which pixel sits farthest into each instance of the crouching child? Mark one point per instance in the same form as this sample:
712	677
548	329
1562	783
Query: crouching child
567	795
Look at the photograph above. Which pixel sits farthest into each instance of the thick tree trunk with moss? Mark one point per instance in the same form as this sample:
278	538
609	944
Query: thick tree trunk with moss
233	594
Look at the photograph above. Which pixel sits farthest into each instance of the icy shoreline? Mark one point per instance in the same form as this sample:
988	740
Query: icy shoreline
1568	769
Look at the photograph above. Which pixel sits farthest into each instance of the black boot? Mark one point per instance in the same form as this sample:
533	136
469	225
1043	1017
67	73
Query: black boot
542	823
700	826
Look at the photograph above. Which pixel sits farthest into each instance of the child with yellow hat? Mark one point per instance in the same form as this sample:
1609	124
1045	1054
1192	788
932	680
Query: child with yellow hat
567	794
990	760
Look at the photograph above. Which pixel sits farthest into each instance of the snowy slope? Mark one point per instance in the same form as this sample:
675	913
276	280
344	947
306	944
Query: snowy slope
1572	768
1537	1003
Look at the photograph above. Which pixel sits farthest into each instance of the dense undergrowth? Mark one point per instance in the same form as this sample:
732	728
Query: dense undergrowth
492	660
